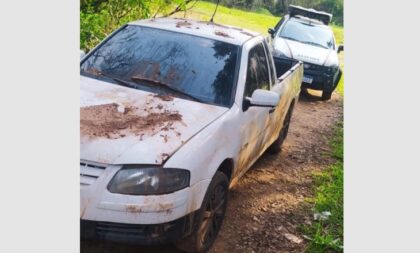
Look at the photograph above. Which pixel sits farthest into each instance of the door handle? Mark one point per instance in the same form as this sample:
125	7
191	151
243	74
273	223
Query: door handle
272	110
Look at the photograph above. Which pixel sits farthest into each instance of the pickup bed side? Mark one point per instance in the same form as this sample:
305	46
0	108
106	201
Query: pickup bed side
288	86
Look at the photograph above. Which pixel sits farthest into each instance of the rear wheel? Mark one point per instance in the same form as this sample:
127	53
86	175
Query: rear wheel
210	217
276	146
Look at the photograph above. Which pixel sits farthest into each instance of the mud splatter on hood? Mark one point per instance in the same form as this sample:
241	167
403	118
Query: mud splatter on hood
120	125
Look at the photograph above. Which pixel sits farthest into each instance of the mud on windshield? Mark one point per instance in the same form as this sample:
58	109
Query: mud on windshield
165	62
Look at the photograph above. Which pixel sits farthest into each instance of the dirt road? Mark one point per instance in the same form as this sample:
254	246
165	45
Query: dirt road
268	204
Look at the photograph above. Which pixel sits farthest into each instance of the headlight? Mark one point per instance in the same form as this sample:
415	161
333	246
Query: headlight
137	180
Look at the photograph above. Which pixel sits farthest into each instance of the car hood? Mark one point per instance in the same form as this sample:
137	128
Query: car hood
120	125
305	52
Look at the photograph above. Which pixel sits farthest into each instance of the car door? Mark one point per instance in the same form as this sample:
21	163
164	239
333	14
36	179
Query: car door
274	116
254	119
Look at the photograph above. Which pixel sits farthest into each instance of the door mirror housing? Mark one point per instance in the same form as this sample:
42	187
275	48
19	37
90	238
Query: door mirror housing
271	31
264	98
340	48
82	54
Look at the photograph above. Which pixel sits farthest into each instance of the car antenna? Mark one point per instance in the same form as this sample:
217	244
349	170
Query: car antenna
214	13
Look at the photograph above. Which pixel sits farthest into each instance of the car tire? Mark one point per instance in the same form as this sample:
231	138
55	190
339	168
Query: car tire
209	217
275	148
326	94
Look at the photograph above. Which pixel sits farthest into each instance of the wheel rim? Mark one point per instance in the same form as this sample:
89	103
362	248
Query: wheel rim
285	127
213	216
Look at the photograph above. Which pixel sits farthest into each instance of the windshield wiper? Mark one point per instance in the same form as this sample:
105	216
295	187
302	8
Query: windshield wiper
162	84
117	80
289	38
313	43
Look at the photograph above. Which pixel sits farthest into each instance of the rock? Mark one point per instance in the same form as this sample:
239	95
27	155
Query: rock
322	216
293	238
121	108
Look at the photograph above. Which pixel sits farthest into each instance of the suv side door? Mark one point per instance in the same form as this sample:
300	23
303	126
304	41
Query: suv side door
254	120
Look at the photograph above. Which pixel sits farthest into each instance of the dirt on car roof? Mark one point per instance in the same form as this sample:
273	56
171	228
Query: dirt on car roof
223	34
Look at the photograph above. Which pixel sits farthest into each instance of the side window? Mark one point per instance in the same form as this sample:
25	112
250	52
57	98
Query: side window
257	76
251	74
270	64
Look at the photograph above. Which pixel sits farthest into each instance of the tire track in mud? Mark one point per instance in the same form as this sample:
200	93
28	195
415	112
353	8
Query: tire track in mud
268	204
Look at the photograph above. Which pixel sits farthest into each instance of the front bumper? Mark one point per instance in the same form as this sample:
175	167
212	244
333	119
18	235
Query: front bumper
321	78
143	234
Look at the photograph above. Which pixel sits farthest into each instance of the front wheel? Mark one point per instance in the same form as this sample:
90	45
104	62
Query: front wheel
210	217
326	94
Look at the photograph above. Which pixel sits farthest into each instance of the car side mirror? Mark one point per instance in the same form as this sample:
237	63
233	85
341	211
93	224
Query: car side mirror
340	48
82	54
263	98
271	31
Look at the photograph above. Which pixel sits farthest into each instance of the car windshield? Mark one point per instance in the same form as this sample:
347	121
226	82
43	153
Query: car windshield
314	34
164	61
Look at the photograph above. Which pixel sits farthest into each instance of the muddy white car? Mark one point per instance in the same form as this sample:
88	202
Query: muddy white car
172	113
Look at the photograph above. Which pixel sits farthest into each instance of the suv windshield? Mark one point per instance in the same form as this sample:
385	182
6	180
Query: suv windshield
159	60
314	34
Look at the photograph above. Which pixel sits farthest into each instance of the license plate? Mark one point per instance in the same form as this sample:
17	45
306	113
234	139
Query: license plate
307	79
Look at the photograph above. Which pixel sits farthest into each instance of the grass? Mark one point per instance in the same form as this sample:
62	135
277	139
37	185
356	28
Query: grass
258	21
327	236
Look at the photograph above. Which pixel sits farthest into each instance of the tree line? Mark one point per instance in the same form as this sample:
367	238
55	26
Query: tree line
100	17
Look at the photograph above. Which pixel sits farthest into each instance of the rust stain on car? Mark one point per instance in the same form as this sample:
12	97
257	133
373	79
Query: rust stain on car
112	121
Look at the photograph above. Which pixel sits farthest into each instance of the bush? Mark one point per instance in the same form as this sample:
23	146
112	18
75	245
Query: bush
99	18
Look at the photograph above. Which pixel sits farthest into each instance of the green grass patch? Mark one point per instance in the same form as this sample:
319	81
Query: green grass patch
327	236
259	22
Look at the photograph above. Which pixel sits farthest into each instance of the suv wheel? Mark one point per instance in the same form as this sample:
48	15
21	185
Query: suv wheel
210	217
326	94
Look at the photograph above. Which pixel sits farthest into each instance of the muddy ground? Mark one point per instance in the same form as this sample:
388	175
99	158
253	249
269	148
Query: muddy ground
268	205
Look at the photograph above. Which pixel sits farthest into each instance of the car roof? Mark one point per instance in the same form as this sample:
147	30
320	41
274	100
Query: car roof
225	33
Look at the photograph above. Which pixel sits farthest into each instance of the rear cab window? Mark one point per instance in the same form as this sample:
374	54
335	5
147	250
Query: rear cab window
257	76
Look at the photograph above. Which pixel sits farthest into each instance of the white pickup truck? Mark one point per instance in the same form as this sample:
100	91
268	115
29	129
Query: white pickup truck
172	113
